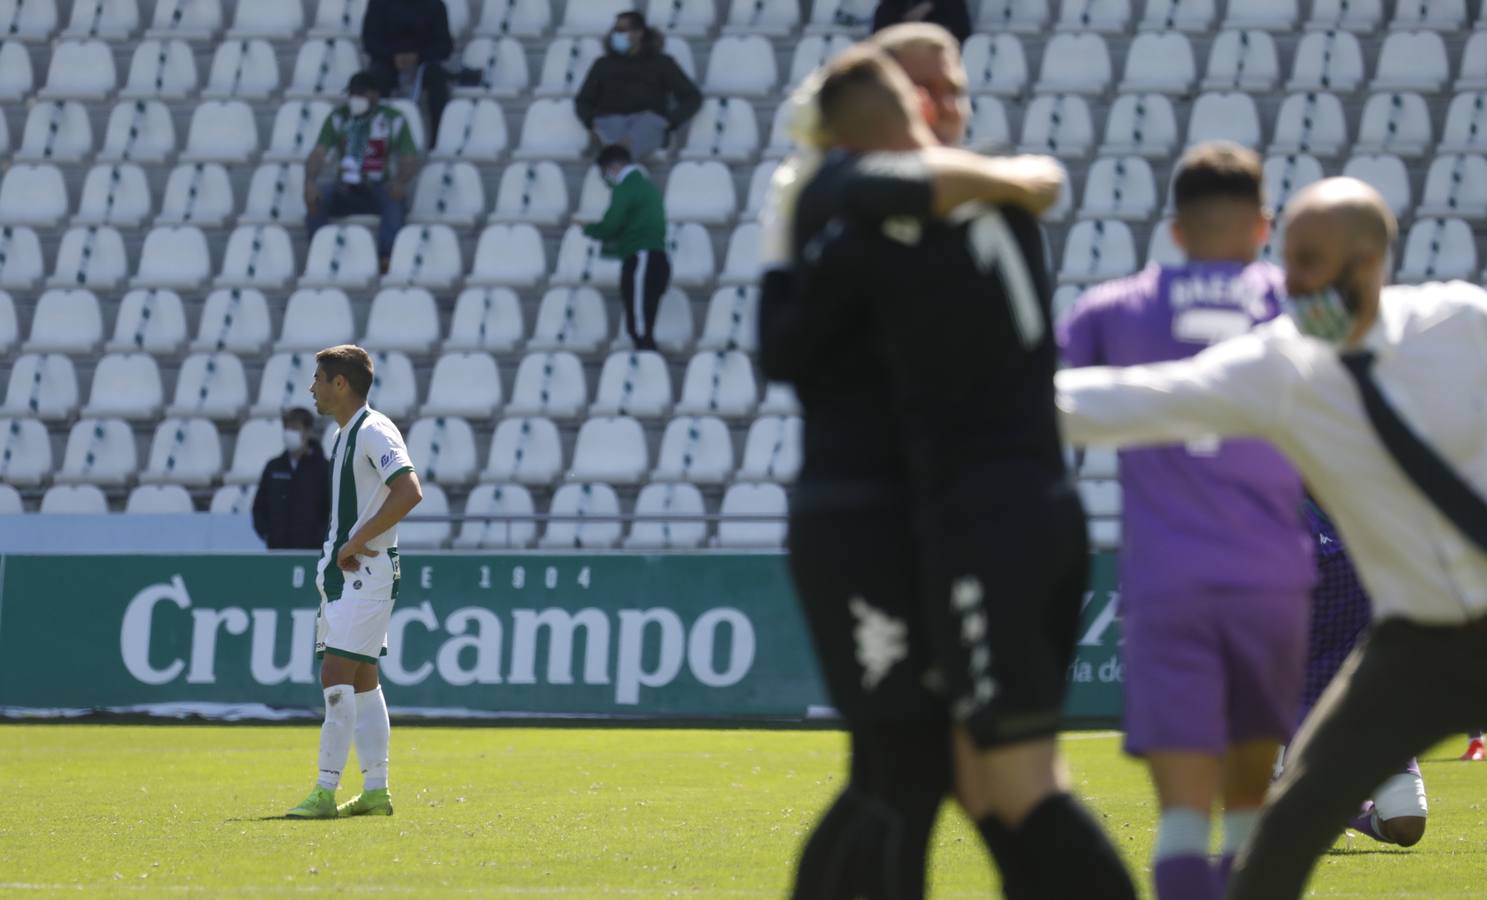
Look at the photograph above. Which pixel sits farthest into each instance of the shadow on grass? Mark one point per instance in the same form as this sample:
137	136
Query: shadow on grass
277	819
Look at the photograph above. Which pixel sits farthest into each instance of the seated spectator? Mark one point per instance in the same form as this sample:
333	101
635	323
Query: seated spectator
292	508
408	42
635	94
634	230
376	164
952	15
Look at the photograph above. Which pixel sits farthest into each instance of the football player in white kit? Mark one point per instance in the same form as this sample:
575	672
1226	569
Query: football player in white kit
373	486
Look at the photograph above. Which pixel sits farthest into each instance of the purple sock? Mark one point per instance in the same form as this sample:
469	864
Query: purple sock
1413	767
1185	878
1363	824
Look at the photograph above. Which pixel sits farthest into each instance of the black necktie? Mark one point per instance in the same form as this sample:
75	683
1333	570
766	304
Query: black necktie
1435	478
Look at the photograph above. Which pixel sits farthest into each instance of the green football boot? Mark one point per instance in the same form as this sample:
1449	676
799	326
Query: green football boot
321	804
377	802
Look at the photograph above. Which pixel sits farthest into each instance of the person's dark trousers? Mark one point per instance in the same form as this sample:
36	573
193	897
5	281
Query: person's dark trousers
1404	688
644	277
339	200
435	90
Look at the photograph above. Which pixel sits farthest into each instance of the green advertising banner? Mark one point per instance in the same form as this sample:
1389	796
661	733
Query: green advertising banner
710	636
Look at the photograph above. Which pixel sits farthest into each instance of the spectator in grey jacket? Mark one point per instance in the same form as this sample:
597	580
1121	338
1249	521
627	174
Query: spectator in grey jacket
635	94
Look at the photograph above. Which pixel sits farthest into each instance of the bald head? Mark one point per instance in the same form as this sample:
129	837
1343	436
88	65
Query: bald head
1338	233
1360	214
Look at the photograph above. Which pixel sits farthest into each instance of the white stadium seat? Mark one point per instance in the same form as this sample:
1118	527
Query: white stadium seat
427	256
80	70
1268	15
323	68
338	18
524	449
21	265
442	449
549	131
1286	174
725	128
987	129
164	70
812	52
464	384
33	195
674	325
1094	15
419	534
1386	174
1455	186
449	193
41	385
772	449
781	143
570	318
1242	61
586	516
1466	124
99	451
212	385
1097	250
732	320
696	449
1230	116
233	319
523	18
1161	248
531	192
297	126
74	500
394	389
56	131
720	384
155	499
247	70
285	383
114	194
1327	61
593	17
9	328
486	318
1179	15
1059	125
1438	250
565	64
1119	187
139	130
759	187
741	66
1396	123
1413	61
402	319
593	196
1357	16
633	383
689	18
995	64
233	500
753	501
505	521
278	19
840	15
502	63
221	131
700	192
580	262
1473	74
314	319
691	252
612	449
779	400
150	320
65	321
1020	16
1160	62
1102	498
25	452
10	501
197	194
29	20
275	195
341	256
509	255
257	256
195	20
1075	64
1435	15
17	79
549	384
91	256
668	517
475	130
126	385
174	257
772	17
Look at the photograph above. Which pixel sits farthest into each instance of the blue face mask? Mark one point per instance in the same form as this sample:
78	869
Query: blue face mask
1327	314
619	41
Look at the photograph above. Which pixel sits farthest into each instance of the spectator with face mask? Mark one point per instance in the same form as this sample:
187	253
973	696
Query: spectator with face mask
377	162
408	42
634	230
292	508
635	94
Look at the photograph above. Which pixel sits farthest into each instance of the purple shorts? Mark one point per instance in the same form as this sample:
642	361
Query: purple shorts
1212	668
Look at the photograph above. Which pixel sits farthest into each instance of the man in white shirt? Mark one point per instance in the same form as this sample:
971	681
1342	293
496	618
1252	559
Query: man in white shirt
373	486
1313	383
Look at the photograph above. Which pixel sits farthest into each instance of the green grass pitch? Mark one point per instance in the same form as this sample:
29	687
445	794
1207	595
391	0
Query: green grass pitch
548	812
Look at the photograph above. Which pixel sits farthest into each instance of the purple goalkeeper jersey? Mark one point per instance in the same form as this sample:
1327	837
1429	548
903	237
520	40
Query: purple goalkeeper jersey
1340	612
1208	514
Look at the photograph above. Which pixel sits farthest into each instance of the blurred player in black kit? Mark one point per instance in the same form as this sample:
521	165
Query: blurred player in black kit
900	615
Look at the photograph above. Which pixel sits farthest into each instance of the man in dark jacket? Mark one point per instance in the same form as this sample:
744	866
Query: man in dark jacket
292	508
635	94
408	42
952	15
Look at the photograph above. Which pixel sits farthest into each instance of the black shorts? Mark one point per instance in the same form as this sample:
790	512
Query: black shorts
1002	589
857	577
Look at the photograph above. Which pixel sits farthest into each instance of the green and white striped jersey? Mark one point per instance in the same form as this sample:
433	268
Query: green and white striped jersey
369	454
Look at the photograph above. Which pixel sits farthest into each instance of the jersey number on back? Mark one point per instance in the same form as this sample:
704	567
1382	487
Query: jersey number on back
993	246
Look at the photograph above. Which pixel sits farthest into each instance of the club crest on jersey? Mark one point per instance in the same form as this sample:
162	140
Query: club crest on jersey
356	585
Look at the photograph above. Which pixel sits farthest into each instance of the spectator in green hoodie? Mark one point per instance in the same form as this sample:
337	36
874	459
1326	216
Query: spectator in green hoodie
634	230
635	94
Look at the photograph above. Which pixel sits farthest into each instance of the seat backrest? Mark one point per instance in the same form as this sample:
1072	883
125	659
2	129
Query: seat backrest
140	130
1359	16
1439	250
114	194
1094	15
17	79
694	18
594	16
25	451
9	327
269	18
248	69
580	261
1286	174
508	507
1437	15
612	449
501	61
1327	61
165	69
1455	185
551	131
635	383
57	130
1242	60
813	51
1160	62
197	193
394	388
1059	125
323	67
570	318
995	63
43	385
233	319
342	255
742	65
755	500
731	320
426	255
212	385
1413	60
21	265
742	263
1098	249
1228	116
33	195
1466	123
473	130
192	19
531	192
74	499
778	17
661	512
525	18
222	130
566	62
1396	123
700	192
155	499
442	449
66	321
549	384
402	319
174	256
1075	63
338	17
126	385
464	384
1386	174
697	449
316	318
82	70
91	256
526	449
719	383
1179	15
184	451
725	128
233	500
509	254
448	192
101	451
276	194
595	502
1144	124
486	318
153	320
1269	15
1120	187
297	127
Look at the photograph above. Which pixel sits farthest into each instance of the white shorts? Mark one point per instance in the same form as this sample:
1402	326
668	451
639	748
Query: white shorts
355	625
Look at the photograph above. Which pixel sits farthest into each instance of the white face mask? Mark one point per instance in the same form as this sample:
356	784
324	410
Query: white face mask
360	106
294	440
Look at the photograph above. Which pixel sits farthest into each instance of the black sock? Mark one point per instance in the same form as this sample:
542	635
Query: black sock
1062	852
828	867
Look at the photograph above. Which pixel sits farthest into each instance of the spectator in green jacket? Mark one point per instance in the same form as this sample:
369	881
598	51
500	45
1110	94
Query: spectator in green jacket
635	94
634	230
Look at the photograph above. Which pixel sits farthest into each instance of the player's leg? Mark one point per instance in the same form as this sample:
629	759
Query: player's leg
1187	783
373	734
337	680
1475	750
631	292
1397	812
657	279
1249	769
